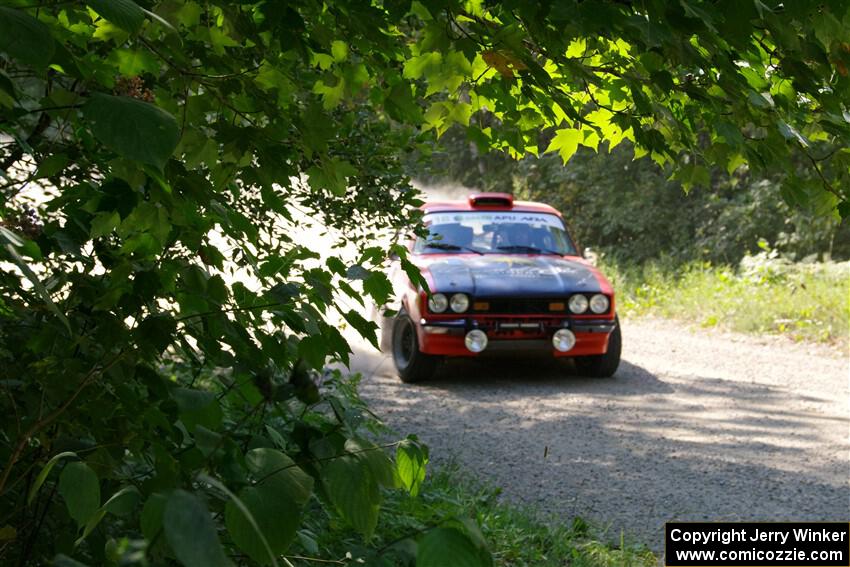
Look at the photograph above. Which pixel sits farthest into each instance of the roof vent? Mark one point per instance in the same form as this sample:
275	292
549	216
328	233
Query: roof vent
491	200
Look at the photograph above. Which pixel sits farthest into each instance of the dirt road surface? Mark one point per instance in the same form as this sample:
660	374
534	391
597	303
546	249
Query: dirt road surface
696	425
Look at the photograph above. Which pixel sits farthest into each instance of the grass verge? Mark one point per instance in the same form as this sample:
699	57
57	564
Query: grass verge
764	294
514	535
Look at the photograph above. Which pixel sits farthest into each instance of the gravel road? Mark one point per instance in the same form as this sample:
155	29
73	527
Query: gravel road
696	425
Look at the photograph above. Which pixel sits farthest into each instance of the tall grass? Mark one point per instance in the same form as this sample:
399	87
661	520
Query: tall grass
764	294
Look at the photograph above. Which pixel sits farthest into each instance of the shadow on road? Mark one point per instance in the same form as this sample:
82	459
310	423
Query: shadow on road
558	374
634	450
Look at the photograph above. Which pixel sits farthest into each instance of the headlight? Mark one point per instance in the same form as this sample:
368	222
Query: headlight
438	303
460	302
578	303
599	303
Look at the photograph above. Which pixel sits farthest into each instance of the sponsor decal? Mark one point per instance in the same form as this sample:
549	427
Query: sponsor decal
494	218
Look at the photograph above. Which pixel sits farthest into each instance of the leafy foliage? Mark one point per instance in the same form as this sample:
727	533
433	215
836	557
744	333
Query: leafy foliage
159	319
633	212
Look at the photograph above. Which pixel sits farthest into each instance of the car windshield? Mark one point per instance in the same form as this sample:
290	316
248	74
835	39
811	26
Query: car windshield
480	232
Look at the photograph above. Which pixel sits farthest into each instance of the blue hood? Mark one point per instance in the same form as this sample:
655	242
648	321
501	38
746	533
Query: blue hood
497	275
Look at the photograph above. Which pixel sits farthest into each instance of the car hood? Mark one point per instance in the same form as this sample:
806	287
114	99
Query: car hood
496	275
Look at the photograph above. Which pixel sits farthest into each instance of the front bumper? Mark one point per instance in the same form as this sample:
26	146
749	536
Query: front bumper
446	336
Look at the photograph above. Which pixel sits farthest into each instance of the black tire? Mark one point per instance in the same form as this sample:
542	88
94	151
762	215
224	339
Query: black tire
411	364
603	365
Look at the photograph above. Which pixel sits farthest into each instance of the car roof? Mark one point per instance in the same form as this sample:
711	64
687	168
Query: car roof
468	204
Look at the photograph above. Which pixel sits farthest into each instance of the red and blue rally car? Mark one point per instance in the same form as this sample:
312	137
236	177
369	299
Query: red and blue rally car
503	275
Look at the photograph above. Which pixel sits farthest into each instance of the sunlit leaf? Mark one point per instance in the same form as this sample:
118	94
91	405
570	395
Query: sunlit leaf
125	14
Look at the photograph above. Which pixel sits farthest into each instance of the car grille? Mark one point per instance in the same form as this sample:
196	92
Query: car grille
513	305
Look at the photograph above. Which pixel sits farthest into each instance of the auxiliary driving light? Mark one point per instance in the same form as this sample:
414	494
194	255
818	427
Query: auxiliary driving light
475	340
563	340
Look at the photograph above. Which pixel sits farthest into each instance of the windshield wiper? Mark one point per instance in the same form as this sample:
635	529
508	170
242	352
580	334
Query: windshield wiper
447	246
529	249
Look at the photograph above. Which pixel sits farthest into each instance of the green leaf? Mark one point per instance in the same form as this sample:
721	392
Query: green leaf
411	459
332	175
155	333
339	50
8	533
51	165
378	285
134	62
401	104
13	241
375	459
25	38
8	96
353	492
132	128
119	504
692	175
122	502
91	524
270	465
152	512
270	515
363	326
791	133
191	532
104	223
758	100
447	546
42	476
80	488
125	14
314	350
198	407
108	32
274	503
441	72
566	143
357	272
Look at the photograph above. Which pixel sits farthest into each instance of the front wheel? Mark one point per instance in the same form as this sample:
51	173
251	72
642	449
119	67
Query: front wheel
603	365
411	364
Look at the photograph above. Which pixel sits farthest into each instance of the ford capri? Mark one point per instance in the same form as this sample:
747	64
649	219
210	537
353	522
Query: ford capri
502	275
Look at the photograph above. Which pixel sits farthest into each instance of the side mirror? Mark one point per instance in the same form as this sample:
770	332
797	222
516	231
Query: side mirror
590	256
